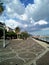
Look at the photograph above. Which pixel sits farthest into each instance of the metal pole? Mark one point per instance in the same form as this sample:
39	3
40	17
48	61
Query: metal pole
4	37
3	27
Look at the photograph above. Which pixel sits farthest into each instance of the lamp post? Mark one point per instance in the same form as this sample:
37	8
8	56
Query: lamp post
4	36
3	27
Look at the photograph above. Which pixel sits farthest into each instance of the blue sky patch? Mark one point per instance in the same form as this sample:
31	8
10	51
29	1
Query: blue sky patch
26	2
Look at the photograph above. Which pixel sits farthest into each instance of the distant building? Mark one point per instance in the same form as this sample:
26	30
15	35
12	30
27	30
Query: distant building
8	28
13	30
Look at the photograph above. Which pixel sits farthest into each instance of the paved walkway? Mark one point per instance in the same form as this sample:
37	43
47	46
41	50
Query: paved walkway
22	52
44	44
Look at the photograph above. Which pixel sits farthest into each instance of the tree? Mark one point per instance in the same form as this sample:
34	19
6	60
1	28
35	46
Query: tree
17	30
1	29
1	8
25	34
2	24
10	34
1	11
1	32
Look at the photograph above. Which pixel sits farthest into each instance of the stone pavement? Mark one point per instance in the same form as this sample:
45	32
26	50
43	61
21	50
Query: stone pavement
22	52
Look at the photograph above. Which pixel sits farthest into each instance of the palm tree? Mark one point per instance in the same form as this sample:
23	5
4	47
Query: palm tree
17	30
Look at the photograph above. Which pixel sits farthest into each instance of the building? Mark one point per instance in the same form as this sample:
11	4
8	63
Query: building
8	28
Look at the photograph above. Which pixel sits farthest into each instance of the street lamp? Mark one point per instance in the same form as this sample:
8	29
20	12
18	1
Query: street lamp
4	36
3	27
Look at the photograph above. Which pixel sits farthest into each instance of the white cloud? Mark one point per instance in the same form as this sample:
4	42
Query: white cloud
32	21
15	6
33	14
38	10
45	29
12	23
15	9
8	9
41	22
5	1
24	17
37	1
25	25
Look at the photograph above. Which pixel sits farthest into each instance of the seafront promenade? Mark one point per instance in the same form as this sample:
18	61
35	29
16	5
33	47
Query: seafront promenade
24	52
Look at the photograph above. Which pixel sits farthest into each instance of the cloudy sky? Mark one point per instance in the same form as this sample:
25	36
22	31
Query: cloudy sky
29	15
